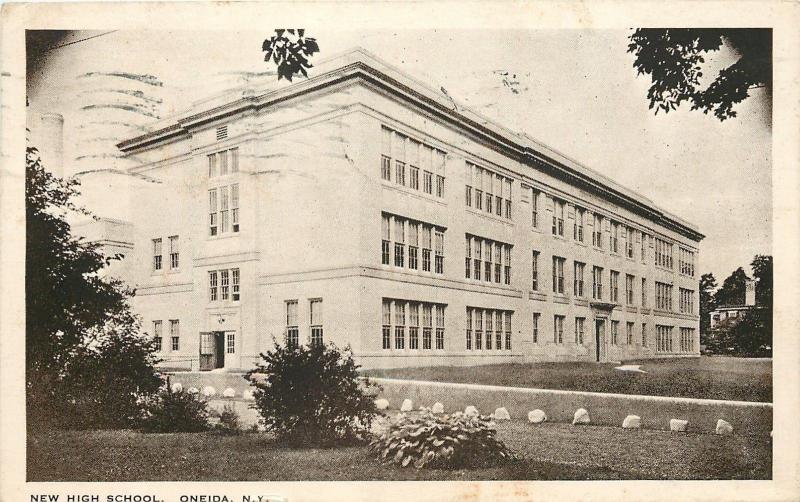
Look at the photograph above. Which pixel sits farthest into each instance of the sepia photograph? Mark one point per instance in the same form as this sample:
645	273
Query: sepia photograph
339	253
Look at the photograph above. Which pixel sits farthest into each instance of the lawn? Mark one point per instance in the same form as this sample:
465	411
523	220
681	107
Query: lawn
549	451
705	377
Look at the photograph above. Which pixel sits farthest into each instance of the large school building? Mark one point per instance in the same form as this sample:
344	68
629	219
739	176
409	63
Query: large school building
362	207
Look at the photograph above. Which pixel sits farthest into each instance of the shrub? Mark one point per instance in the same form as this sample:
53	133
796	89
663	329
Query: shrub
228	422
312	395
425	439
179	411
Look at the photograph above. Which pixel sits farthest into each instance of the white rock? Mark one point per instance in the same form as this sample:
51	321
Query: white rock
581	417
192	390
247	395
724	427
258	377
177	387
633	368
676	425
536	416
229	392
770	433
407	405
632	422
438	408
209	391
471	410
501	414
381	404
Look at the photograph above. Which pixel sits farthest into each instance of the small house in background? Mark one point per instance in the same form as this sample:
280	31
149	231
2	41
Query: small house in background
732	313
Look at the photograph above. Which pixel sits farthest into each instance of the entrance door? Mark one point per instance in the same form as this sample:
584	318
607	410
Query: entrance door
599	338
219	349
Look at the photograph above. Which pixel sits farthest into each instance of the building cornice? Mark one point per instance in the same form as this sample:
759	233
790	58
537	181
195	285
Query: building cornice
517	147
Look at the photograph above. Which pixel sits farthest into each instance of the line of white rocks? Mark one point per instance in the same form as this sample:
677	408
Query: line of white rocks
581	417
209	391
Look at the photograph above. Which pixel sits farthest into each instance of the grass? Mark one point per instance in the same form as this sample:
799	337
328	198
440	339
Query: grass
725	378
549	451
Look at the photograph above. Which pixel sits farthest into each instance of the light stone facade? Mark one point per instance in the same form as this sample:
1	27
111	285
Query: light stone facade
311	201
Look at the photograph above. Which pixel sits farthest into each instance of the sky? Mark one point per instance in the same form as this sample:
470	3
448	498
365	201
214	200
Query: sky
579	94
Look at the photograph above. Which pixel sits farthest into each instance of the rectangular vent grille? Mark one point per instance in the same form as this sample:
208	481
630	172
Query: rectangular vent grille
222	132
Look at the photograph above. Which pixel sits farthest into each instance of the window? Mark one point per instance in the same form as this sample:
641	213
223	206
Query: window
686	262
386	238
235	207
175	333
212	286
439	256
235	284
577	286
400	172
507	261
629	244
223	162
387	324
413	245
534	208
614	237
212	210
234	160
490	256
413	328
292	330
686	301
224	280
156	254
558	275
558	329
597	283
535	326
223	208
507	194
427	325
230	343
315	309
535	271
386	154
399	325
614	332
629	333
663	338
492	191
399	242
487	264
212	165
497	329
468	259
644	334
663	254
407	232
597	231
687	340
426	248
579	327
439	327
399	154
410	156
614	287
644	247
498	262
577	230
629	289
558	217
644	292
663	296
174	252
157	335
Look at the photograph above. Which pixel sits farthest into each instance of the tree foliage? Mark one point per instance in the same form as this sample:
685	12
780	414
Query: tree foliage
289	50
707	304
87	364
733	289
762	273
673	58
311	394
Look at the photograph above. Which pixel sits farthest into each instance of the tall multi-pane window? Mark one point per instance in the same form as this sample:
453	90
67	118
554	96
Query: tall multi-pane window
507	316
494	324
644	247
663	253
426	248
535	327
577	286
468	258
597	231
213	285
577	229
507	264
292	329
230	343
439	256
629	289
234	160
491	191
439	327
614	238
212	165
614	332
235	207
507	194
405	157
535	271
534	208
386	155
469	329
558	329
399	150
580	323
614	286
644	292
489	256
399	325
413	245
629	333
174	252
686	262
175	334
440	163
558	217
404	232
224	209
468	176
686	301
224	284
558	274
213	209
478	329
315	311
687	340
387	324
489	329
386	239
597	283
487	264
663	338
235	284
157	335
663	296
399	242
644	334
629	244
157	256
427	325
413	326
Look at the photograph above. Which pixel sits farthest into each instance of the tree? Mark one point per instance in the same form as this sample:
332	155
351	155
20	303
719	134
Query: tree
290	50
672	57
707	304
762	273
86	363
733	289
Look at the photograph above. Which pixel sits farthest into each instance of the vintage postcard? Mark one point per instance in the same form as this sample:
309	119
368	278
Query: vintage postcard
399	251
